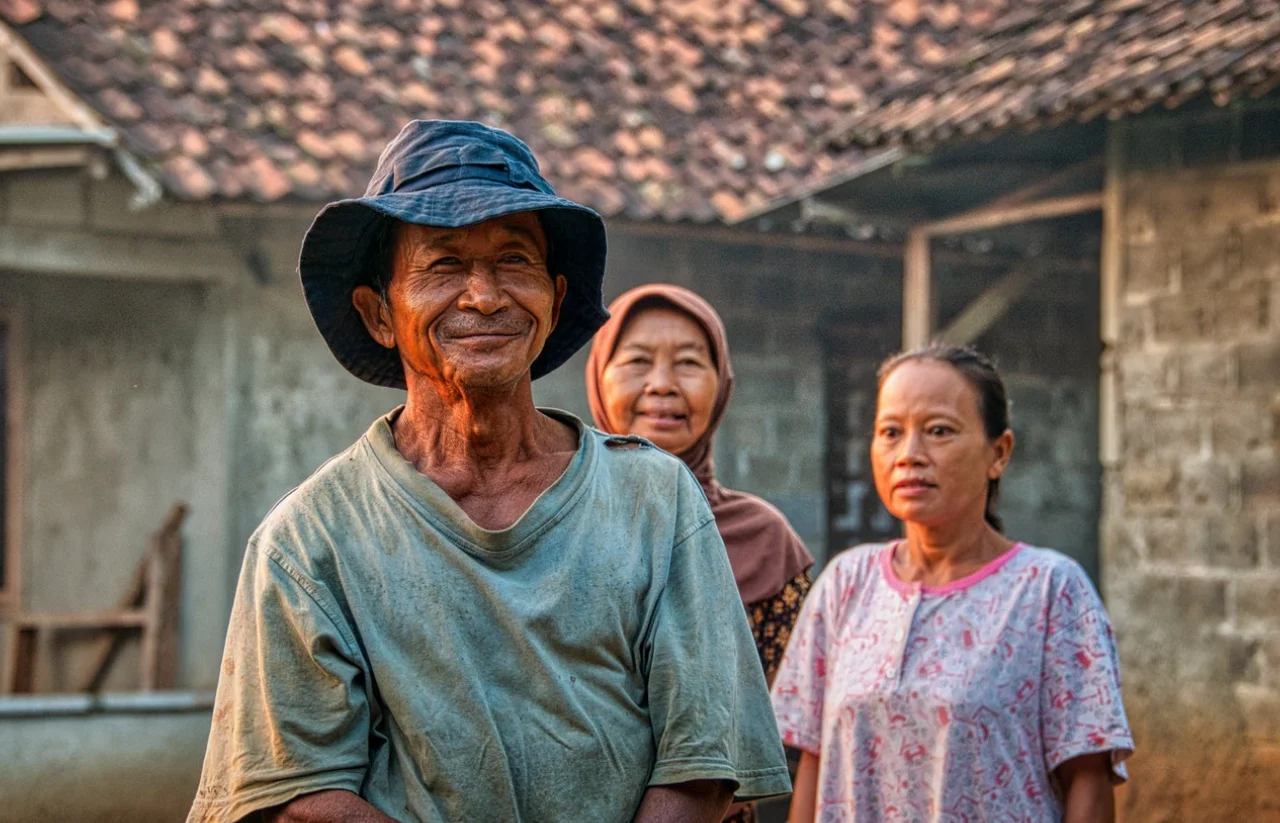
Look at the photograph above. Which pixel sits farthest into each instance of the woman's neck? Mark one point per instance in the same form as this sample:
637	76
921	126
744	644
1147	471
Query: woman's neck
938	556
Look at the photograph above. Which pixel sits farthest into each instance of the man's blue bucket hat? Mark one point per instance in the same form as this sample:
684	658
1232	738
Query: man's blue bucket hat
448	174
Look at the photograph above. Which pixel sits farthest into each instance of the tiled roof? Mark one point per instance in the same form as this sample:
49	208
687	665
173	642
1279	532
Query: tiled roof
1046	62
676	109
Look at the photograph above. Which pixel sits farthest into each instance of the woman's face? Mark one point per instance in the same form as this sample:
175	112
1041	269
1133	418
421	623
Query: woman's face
661	382
930	454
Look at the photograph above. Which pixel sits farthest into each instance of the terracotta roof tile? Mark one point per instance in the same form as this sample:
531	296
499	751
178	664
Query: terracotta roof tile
679	109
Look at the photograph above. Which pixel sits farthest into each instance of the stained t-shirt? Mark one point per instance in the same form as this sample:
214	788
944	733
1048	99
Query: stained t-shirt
953	703
383	643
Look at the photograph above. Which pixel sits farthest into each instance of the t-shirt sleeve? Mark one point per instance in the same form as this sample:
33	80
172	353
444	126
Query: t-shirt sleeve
1080	705
291	715
708	702
801	682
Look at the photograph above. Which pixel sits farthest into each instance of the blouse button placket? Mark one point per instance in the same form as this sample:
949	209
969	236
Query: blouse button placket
902	634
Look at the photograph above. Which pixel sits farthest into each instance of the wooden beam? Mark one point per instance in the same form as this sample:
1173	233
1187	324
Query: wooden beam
917	300
95	621
991	218
52	251
984	312
45	157
156	588
831	245
47	80
1049	183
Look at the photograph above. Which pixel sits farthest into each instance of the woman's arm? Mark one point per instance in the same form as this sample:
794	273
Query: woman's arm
804	792
1087	789
698	801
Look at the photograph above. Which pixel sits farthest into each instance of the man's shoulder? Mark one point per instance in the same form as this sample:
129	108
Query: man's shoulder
324	497
630	457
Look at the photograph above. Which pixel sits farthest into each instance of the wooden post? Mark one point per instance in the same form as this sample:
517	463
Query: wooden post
917	300
159	605
1109	319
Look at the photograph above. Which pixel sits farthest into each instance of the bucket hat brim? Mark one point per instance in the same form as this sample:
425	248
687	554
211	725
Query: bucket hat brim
336	256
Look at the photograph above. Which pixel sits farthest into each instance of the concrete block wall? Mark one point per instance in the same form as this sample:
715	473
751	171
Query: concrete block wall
1191	534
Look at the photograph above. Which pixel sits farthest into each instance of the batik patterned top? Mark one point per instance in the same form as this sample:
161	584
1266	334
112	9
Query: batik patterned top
953	703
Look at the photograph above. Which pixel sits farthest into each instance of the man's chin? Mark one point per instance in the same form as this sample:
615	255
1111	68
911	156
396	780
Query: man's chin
491	375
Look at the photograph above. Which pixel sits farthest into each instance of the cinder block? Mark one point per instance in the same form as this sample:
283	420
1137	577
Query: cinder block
1207	484
1260	479
1202	261
1260	252
1214	541
1186	602
1163	430
1145	374
1259	365
1241	426
1243	311
1207	370
1183	318
1146	269
1150	487
1121	549
1257	602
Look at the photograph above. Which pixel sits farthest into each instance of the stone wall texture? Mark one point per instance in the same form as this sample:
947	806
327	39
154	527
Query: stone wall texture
1191	532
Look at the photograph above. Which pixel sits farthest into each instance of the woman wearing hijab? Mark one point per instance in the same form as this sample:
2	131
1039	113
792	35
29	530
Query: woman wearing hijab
659	368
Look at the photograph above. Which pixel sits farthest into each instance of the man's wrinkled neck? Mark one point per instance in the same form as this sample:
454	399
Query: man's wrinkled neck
445	424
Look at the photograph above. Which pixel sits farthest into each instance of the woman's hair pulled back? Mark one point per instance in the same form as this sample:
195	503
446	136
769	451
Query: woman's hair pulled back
981	374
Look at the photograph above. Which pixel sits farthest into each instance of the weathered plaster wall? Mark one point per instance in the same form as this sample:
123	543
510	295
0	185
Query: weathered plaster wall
1192	527
123	393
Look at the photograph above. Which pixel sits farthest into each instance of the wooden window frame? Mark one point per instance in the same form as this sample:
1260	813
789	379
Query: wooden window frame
11	590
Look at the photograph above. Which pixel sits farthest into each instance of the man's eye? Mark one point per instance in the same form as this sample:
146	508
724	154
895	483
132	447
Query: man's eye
888	431
940	431
515	260
447	263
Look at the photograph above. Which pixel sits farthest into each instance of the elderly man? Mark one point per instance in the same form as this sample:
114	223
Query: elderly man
481	611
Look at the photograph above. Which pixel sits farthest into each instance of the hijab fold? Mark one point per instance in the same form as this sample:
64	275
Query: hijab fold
764	551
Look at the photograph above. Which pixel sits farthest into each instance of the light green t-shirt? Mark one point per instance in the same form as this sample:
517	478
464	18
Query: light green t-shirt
383	643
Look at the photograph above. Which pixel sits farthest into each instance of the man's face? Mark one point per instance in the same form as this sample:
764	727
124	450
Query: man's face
470	307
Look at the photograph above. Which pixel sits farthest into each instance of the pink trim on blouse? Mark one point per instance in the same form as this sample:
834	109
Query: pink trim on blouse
903	587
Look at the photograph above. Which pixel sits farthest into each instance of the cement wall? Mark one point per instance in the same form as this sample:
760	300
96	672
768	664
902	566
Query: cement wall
98	767
1191	535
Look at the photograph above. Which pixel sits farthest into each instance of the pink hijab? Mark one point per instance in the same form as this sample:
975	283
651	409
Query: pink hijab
764	551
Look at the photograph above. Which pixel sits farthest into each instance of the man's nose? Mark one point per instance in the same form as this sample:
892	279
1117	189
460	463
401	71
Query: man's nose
482	292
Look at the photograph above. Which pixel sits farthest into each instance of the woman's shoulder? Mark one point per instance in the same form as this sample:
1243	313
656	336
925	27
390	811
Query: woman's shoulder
1049	561
852	568
1064	579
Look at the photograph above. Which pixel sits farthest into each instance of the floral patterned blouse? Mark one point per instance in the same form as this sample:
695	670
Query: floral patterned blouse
955	702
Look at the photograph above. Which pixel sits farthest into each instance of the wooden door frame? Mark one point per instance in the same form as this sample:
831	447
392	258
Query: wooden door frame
11	591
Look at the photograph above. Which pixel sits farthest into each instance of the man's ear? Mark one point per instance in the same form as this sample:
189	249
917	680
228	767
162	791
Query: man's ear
562	288
375	314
